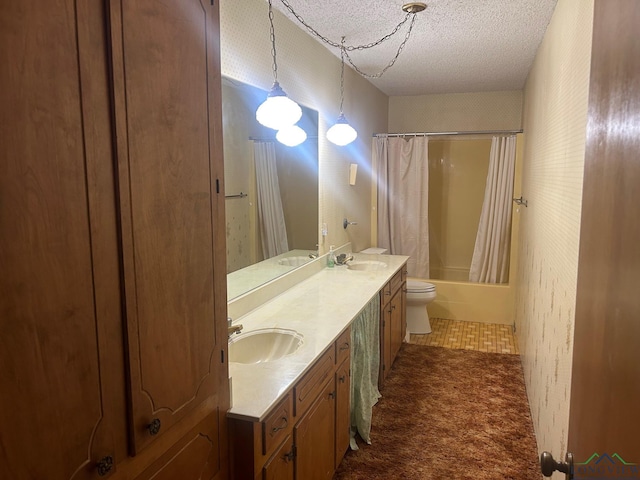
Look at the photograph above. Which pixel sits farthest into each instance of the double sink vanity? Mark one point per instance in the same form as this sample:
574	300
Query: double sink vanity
290	364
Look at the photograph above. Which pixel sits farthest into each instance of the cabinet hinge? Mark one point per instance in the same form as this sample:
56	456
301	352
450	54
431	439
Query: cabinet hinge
217	179
221	356
294	450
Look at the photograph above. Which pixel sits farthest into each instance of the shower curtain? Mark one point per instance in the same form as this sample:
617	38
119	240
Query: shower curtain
273	231
403	208
490	263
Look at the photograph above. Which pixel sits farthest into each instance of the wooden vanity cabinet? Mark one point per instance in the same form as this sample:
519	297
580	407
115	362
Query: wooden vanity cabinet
393	324
112	243
306	434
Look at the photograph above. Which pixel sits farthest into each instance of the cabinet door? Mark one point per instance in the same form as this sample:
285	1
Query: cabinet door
343	412
60	338
314	436
281	465
385	341
396	324
166	90
193	457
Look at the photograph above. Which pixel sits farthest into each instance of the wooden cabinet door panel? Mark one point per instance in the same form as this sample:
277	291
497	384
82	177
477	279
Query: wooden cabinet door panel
343	412
55	246
164	57
396	318
314	436
281	465
194	457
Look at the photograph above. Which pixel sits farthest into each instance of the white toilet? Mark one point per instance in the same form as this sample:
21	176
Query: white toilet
419	293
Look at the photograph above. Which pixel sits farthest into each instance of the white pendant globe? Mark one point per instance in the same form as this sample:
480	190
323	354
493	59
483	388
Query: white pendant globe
291	136
341	133
278	111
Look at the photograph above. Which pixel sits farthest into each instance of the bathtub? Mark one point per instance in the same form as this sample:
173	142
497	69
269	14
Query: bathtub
473	302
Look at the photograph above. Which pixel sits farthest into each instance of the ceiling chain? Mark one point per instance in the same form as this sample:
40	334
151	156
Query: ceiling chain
273	44
350	48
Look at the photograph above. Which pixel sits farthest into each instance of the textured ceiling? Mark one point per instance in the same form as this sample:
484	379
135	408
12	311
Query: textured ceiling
456	45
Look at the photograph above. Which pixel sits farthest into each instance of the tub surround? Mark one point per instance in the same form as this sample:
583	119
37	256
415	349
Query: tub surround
320	308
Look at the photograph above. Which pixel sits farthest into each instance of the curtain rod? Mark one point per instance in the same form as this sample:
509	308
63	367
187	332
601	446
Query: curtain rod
427	134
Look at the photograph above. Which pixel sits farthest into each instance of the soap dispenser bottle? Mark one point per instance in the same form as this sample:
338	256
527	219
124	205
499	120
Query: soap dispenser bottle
331	258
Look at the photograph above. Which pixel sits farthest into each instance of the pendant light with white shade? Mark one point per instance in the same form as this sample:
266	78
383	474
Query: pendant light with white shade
278	111
341	133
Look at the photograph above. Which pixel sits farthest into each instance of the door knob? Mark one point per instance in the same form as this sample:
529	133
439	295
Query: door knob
548	465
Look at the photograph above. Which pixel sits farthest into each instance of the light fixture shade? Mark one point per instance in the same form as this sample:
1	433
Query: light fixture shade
341	133
278	111
291	136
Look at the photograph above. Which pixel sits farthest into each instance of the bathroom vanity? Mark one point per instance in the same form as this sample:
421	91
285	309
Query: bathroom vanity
290	416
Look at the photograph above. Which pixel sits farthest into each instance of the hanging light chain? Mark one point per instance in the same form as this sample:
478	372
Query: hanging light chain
393	60
349	48
342	75
273	43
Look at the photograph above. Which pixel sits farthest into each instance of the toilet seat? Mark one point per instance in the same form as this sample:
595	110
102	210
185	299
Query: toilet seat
418	286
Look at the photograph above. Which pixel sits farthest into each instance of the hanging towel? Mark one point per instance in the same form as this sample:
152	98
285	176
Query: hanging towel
365	365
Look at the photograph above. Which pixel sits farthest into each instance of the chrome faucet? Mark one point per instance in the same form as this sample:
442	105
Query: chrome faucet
233	328
315	254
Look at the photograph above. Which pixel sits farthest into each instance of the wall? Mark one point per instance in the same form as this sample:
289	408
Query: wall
454	112
555	115
457	169
311	75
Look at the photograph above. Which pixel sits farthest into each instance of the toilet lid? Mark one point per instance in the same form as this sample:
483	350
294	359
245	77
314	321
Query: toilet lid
418	286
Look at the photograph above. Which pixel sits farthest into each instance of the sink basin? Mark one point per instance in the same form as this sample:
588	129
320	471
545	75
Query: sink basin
367	265
294	261
263	345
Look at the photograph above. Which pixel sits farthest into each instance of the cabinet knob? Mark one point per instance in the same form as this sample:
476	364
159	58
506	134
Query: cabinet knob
332	395
154	426
105	465
344	346
342	378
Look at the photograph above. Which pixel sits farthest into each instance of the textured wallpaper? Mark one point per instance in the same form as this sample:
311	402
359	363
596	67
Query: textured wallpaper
555	116
454	112
311	75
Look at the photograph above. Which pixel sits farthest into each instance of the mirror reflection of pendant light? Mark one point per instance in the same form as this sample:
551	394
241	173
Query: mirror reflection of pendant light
291	136
341	133
277	111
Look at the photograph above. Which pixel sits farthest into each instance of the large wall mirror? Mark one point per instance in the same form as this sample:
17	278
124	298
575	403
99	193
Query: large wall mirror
271	192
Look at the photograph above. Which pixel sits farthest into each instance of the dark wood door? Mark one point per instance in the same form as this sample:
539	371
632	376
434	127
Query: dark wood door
314	437
61	357
605	392
343	412
166	90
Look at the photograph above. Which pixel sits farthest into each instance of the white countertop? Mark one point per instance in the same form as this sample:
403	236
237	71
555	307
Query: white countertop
320	308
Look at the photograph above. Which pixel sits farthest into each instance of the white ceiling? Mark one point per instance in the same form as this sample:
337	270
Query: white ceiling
456	45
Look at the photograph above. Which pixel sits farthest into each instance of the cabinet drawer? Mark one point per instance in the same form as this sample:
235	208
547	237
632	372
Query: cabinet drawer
307	389
385	294
277	425
343	346
396	281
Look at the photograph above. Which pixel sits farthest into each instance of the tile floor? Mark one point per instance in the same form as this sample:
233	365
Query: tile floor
485	337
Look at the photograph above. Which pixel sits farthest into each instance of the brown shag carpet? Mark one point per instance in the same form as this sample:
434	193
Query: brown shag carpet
449	414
